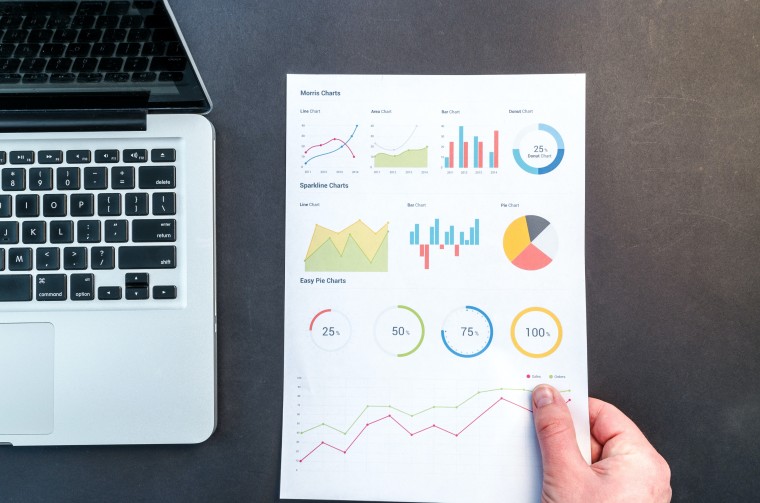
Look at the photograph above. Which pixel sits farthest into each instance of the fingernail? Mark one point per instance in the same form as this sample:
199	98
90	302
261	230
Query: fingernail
543	396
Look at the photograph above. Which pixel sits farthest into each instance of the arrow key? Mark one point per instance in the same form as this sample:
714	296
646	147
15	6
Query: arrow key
165	292
109	293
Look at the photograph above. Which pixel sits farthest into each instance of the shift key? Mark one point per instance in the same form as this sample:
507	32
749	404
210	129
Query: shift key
147	257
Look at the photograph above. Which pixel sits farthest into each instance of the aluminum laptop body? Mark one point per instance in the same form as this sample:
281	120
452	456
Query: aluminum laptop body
107	261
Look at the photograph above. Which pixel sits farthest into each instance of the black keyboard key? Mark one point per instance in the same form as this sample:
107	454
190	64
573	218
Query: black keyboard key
27	50
88	231
54	205
110	64
53	50
20	259
116	231
154	231
123	177
82	287
148	257
13	179
78	156
80	51
67	178
102	257
136	279
21	157
15	36
5	205
10	20
131	22
58	65
89	35
51	287
136	204
35	78
136	293
7	50
61	231
10	78
65	35
109	293
32	21
89	78
40	36
107	21
91	7
2	259
50	156
83	21
107	156
127	49
33	65
84	65
96	178
157	177
48	259
114	35
103	50
144	76
139	35
40	178
82	205
117	8
135	64
117	77
164	203
62	78
135	155
27	205
75	258
8	233
165	292
163	155
2	157
154	48
15	287
168	64
33	232
109	205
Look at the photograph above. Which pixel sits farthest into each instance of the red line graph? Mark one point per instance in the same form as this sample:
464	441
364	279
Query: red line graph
413	433
329	141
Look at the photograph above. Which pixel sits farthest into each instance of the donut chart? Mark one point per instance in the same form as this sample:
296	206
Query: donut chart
530	242
533	149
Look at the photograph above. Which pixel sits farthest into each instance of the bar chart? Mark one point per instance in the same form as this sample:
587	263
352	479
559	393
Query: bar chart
452	237
472	151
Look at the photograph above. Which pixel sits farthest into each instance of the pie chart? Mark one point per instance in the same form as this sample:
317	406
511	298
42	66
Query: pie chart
530	242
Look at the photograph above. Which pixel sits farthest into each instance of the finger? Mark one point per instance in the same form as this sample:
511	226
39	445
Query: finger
613	430
555	431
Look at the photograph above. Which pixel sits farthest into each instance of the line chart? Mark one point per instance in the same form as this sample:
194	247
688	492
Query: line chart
413	414
342	144
393	149
411	433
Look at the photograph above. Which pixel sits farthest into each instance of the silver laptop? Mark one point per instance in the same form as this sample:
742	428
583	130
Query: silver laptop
107	289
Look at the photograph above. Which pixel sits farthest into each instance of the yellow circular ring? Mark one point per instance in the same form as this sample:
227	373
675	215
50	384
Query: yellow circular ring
540	310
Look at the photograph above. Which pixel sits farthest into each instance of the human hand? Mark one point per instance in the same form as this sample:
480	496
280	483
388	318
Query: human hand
625	467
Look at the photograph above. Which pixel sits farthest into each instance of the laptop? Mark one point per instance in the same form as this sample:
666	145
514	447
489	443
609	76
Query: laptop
107	262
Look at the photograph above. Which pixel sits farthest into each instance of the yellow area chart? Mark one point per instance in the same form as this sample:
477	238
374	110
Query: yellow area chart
357	248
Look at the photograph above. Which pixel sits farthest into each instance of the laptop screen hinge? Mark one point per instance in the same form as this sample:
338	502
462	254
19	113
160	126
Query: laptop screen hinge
37	121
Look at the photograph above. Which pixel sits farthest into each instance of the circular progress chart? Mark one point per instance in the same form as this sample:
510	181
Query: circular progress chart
530	242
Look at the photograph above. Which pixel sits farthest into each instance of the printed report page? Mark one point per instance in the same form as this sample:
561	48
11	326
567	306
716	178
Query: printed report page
434	276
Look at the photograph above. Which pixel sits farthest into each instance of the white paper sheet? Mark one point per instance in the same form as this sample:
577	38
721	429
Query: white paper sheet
434	276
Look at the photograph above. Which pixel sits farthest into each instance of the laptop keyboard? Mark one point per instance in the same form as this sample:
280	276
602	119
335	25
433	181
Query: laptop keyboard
88	42
92	223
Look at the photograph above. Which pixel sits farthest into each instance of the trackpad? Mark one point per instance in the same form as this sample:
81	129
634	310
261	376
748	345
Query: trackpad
26	378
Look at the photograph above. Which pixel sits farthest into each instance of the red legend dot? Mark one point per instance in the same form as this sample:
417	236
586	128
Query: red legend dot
528	376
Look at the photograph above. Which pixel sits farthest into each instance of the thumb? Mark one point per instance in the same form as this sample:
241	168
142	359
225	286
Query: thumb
556	435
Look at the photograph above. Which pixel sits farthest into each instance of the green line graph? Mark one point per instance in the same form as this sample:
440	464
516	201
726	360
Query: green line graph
393	408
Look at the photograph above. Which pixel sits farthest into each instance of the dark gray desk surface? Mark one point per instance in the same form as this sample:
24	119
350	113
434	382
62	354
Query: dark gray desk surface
672	227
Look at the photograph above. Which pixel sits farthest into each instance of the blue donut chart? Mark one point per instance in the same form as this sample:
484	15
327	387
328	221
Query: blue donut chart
543	169
483	349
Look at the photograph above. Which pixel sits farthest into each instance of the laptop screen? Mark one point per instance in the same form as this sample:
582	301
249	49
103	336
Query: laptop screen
86	54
